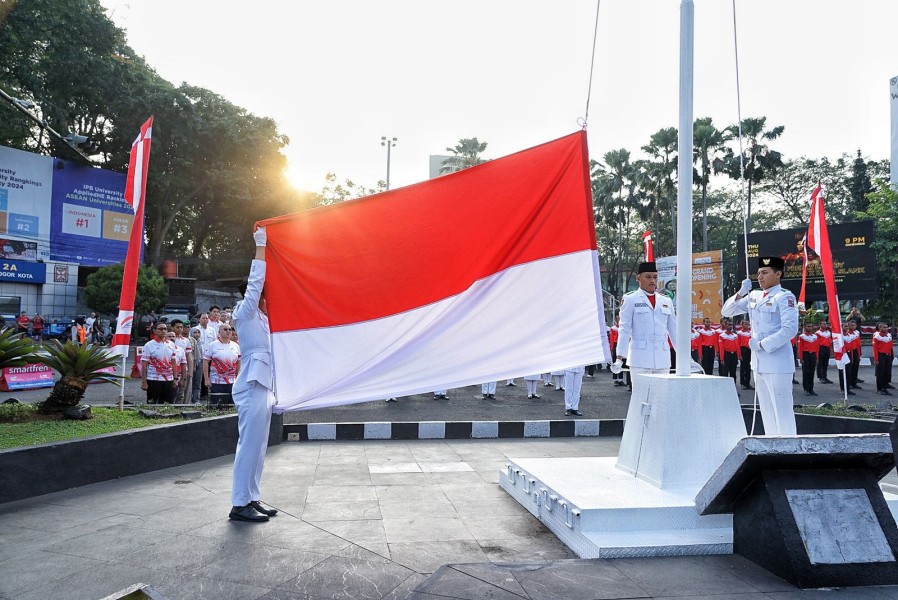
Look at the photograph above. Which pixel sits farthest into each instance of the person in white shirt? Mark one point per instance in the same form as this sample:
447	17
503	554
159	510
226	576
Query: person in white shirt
157	373
253	393
647	321
180	363
221	364
185	386
215	317
532	381
573	381
774	319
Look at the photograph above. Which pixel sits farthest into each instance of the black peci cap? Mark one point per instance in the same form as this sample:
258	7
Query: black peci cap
647	267
774	262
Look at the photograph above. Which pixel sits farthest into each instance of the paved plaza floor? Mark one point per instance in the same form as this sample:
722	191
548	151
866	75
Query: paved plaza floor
422	519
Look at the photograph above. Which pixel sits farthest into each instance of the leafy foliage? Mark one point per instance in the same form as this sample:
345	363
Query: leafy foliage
102	289
78	366
15	413
16	350
883	209
466	153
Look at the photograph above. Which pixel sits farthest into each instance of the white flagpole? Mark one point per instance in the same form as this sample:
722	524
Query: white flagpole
684	190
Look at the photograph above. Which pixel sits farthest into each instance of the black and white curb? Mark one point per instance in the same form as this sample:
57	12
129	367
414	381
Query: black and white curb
454	430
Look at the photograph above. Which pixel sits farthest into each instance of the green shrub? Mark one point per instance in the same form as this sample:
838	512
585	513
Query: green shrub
15	413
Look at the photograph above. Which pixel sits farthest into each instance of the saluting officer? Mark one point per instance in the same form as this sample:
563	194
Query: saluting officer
647	321
774	318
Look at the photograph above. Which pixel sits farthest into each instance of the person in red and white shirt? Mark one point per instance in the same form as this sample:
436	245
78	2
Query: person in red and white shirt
158	363
709	344
728	349
854	348
22	322
613	336
744	334
695	344
180	360
883	354
183	342
808	342
824	351
221	364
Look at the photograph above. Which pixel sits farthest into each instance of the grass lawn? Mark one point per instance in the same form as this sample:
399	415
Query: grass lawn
105	420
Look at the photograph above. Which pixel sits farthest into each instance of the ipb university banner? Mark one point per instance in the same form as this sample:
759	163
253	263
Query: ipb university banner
485	274
54	209
854	262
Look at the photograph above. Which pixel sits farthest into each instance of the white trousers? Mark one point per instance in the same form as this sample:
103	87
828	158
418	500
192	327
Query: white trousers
488	388
253	422
531	386
573	381
775	399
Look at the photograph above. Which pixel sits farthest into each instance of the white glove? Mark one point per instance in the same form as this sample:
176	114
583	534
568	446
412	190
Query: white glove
260	237
617	366
694	367
746	287
755	345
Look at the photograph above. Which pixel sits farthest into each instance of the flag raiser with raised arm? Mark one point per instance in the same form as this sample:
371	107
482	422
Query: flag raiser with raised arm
484	274
135	192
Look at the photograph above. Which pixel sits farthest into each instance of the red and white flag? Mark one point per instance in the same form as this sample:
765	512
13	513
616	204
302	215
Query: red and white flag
135	191
818	241
481	275
804	273
649	247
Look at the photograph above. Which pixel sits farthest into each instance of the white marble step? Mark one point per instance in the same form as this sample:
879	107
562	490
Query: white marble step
635	544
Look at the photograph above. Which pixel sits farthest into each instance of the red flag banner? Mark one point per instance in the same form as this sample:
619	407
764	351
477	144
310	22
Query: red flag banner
135	192
481	275
818	242
804	273
649	247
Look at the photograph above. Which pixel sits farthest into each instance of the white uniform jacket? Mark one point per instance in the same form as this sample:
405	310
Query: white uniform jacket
644	330
774	322
254	333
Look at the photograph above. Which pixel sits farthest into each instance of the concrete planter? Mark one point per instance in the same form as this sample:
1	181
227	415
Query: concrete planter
37	470
823	424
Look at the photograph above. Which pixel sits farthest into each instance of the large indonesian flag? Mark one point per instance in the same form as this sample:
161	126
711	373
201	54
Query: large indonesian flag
481	275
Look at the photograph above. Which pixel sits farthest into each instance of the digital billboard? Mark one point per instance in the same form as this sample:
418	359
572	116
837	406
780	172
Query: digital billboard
854	262
58	210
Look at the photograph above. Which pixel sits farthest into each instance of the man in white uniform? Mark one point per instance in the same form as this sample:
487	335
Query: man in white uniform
647	320
774	322
252	393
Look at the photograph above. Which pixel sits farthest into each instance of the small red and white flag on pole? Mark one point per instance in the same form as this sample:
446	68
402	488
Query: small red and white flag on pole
649	247
135	192
804	272
438	285
818	241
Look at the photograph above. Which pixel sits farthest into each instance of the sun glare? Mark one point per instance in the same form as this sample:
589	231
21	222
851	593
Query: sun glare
297	178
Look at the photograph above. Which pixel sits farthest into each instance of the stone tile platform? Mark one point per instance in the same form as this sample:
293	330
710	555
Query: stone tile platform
365	519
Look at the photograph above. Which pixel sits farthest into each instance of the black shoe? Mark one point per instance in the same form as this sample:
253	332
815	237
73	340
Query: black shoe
511	383
850	393
269	512
812	393
889	386
391	400
794	382
860	380
576	413
807	393
246	513
567	412
492	396
826	381
536	396
485	397
856	387
561	389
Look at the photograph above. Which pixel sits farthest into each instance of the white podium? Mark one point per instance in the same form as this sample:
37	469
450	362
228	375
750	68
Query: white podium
678	431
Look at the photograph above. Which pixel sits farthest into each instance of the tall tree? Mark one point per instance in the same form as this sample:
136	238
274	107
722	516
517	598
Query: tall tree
709	147
859	183
882	207
466	153
758	158
657	179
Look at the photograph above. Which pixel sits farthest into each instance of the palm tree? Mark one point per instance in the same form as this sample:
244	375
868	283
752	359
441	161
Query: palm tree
465	154
16	350
759	159
709	144
658	175
78	366
615	194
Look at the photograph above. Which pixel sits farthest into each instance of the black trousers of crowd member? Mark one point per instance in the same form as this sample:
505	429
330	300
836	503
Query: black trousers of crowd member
694	354
855	365
160	392
745	367
823	363
729	362
883	371
708	359
808	370
673	360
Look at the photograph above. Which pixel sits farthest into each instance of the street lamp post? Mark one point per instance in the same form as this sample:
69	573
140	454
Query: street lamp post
389	143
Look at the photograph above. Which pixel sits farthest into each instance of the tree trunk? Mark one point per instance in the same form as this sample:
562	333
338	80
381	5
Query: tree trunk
704	215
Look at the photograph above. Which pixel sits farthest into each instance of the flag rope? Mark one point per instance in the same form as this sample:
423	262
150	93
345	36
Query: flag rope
592	63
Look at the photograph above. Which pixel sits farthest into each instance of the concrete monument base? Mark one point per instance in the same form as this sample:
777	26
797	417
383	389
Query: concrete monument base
678	431
809	508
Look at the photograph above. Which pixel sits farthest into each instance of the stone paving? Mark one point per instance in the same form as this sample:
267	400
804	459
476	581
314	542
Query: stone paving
373	519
